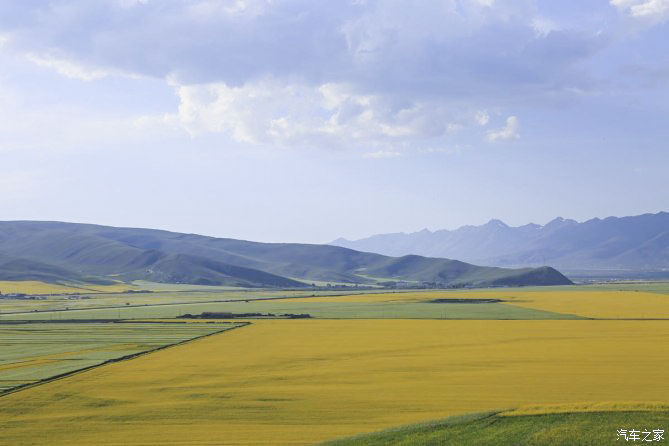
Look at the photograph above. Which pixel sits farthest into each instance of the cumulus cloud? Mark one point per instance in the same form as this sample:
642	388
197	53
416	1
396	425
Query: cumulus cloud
482	117
543	26
331	114
509	131
315	73
650	11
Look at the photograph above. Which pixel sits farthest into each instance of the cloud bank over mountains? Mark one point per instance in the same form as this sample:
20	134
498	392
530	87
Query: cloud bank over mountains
374	75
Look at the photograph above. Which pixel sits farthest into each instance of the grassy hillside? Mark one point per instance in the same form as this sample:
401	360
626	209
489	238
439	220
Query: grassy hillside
82	250
18	269
587	428
454	272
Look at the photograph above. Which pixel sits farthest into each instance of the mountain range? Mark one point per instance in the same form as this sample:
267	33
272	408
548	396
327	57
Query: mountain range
57	251
636	243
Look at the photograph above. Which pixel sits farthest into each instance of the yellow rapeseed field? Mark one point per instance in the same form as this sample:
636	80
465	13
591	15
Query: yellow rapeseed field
302	381
596	304
34	287
586	407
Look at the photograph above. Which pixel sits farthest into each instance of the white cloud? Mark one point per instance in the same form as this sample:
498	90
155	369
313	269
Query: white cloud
543	26
380	154
67	68
651	11
431	48
371	75
509	131
482	117
330	114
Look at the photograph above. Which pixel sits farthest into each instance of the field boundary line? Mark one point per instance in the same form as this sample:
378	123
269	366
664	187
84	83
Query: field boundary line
119	359
117	307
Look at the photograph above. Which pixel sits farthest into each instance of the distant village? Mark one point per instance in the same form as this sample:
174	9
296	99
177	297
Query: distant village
23	296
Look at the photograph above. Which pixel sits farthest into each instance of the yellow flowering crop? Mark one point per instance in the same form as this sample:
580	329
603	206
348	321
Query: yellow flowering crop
302	381
35	287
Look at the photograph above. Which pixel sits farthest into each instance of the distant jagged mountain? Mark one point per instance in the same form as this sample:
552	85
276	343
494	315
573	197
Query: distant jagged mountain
628	243
55	251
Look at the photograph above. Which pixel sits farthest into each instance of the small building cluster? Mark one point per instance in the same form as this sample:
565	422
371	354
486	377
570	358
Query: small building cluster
21	296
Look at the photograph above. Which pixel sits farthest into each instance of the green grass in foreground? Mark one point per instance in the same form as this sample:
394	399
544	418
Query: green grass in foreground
566	429
36	351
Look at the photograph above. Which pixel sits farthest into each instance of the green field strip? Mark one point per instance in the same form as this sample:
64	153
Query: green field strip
329	310
32	307
35	353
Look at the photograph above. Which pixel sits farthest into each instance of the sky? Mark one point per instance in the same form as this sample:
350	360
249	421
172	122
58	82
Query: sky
305	121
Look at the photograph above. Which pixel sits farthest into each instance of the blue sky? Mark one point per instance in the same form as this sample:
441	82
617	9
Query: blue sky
307	120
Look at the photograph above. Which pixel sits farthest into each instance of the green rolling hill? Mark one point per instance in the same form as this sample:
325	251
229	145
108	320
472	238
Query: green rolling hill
56	251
